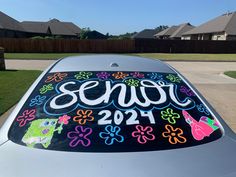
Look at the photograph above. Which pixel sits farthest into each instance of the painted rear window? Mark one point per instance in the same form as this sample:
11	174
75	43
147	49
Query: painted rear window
113	112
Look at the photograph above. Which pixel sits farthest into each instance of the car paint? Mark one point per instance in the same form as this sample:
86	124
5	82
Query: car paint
216	158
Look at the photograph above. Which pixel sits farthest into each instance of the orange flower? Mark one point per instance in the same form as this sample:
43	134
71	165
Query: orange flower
57	77
174	135
119	75
83	116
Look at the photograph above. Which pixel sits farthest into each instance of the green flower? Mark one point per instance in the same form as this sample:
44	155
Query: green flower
46	88
132	82
83	75
173	78
169	115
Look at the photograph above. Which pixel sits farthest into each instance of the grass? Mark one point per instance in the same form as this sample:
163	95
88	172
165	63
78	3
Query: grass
13	84
47	56
231	74
162	56
190	57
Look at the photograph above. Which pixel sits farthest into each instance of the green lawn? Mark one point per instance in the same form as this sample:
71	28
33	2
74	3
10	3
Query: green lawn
231	74
190	57
47	56
13	84
163	56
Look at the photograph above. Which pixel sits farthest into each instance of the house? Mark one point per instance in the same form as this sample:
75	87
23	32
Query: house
10	28
145	34
52	27
220	28
174	32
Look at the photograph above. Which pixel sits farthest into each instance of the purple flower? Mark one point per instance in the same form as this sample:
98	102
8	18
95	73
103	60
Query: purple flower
79	136
137	75
103	75
187	91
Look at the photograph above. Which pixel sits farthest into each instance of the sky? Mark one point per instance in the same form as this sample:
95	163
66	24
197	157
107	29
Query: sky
118	16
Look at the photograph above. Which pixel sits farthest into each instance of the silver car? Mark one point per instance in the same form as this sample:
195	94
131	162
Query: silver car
115	116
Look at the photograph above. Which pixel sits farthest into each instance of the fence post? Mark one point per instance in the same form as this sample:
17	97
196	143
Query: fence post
2	60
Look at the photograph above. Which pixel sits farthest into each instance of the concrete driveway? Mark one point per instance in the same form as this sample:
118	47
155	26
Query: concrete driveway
217	88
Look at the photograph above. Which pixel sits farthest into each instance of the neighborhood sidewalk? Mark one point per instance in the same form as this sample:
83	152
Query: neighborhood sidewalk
218	89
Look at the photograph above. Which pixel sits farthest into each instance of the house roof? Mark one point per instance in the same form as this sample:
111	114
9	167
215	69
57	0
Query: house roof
9	23
224	23
175	31
167	32
145	34
55	27
181	29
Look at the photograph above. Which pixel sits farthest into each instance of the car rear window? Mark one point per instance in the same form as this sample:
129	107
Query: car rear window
119	111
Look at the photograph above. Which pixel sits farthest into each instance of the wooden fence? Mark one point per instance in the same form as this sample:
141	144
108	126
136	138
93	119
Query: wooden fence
2	60
116	46
66	46
185	46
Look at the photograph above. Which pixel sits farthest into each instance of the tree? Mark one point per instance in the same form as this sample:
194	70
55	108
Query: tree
161	28
84	32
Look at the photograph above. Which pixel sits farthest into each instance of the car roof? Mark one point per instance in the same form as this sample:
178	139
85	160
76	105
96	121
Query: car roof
110	63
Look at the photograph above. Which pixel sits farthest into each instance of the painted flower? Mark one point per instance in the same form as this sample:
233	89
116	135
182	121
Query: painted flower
83	116
37	100
203	109
80	136
119	75
169	115
187	91
64	119
57	77
111	135
174	135
46	88
143	134
173	78
103	75
155	76
26	116
137	75
83	75
132	82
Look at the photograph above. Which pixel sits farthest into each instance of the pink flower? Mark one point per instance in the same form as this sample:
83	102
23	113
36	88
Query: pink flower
143	134
26	116
64	119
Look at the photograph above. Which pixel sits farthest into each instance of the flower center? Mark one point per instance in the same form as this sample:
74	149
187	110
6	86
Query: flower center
112	134
81	135
84	116
173	134
142	133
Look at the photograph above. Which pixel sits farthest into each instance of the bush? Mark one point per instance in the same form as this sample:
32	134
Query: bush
37	37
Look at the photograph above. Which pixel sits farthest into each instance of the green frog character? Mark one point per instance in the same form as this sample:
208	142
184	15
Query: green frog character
41	132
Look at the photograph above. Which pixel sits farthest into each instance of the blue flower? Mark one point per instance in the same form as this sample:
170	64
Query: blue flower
111	134
203	109
38	100
155	76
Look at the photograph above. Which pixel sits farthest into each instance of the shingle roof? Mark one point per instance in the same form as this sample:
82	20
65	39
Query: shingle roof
175	31
182	29
224	23
167	32
145	34
55	26
9	23
35	27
